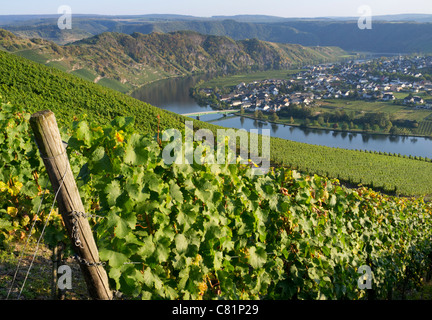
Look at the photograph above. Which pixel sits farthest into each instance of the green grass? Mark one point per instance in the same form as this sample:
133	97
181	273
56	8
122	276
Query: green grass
85	74
400	95
396	110
360	105
32	55
149	74
58	65
233	80
39	281
422	94
114	84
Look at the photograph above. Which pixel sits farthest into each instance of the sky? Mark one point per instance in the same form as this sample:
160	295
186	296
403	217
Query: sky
202	8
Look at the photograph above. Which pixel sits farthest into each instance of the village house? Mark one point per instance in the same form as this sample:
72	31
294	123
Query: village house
413	100
236	103
387	96
334	81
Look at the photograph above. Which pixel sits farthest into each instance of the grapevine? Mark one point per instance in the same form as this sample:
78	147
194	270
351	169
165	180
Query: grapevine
205	231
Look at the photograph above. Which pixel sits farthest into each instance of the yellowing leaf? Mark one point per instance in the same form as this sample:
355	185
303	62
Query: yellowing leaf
13	187
97	129
253	163
119	136
3	186
12	211
18	185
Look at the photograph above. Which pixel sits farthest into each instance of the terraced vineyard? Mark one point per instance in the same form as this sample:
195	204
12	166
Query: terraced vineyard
389	173
37	87
206	231
425	128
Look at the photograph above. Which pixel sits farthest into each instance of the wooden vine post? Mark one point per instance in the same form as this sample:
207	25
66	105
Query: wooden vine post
54	155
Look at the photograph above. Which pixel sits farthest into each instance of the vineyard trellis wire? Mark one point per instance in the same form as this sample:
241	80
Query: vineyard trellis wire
75	231
313	228
53	152
39	240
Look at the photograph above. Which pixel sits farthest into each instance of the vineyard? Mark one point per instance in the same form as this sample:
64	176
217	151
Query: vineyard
389	173
425	128
38	87
214	231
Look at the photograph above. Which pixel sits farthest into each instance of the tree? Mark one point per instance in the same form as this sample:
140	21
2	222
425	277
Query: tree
258	114
366	127
345	126
292	120
274	117
388	127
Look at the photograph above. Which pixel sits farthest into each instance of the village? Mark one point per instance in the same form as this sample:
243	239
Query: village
384	79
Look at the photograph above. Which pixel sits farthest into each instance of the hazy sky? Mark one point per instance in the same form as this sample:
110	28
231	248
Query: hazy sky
281	8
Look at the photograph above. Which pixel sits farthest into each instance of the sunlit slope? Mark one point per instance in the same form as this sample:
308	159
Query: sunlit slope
123	62
37	87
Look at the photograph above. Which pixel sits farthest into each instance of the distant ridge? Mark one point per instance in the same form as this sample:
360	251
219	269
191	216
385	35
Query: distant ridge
13	19
123	61
402	33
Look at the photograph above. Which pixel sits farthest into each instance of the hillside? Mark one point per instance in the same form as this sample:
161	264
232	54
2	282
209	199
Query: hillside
385	36
124	61
207	231
390	34
36	87
200	231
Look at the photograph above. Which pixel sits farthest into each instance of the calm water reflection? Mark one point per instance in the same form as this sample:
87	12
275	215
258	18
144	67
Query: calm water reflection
394	144
173	95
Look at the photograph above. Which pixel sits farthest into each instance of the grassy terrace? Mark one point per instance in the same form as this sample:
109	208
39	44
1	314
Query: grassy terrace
397	111
233	80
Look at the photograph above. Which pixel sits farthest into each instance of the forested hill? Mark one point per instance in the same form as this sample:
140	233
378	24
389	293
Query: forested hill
389	34
384	37
124	61
186	51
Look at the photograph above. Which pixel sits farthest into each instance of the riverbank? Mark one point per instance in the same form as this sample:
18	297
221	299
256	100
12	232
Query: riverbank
319	151
329	129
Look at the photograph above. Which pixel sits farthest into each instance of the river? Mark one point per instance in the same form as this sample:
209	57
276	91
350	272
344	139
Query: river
173	95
